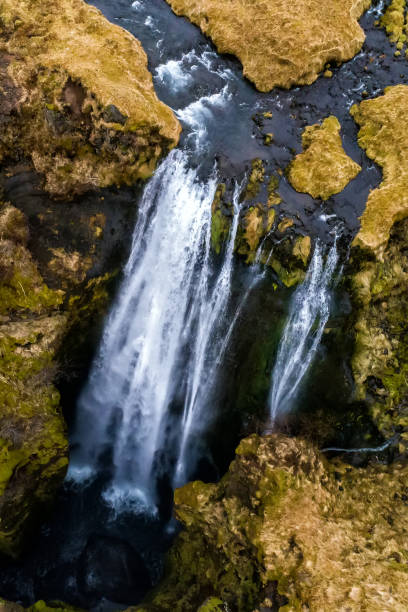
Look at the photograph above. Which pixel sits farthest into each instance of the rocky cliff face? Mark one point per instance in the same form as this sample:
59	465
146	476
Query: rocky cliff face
380	265
287	529
264	233
77	99
280	43
78	112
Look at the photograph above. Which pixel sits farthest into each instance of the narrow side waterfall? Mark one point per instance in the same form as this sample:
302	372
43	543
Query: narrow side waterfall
308	316
161	339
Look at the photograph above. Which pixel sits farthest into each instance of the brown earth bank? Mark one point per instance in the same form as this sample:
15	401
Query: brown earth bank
78	116
280	43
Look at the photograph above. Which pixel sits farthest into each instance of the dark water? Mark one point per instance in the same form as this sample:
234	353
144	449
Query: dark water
85	554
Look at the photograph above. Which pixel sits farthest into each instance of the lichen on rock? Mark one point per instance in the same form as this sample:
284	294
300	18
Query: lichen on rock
324	168
280	43
287	529
383	135
78	99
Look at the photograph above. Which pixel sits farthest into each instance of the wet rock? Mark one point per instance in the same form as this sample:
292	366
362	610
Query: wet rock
286	527
259	234
111	568
280	43
323	168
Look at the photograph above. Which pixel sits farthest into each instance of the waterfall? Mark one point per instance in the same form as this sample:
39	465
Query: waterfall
308	315
161	338
209	311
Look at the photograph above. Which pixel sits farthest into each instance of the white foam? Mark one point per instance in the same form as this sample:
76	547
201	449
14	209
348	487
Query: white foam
174	75
129	499
200	114
308	315
80	474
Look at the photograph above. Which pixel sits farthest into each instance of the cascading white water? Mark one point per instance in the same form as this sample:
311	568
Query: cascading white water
170	297
209	312
308	316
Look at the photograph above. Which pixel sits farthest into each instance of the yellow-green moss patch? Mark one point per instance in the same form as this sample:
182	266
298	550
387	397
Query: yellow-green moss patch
384	136
323	169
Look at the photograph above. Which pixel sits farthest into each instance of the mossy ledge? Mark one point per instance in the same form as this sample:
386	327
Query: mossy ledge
280	43
287	529
77	98
264	234
323	169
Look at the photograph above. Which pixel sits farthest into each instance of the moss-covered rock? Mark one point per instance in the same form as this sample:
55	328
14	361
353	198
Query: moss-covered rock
384	135
286	529
395	22
323	168
220	222
263	236
77	105
379	268
380	360
33	444
280	43
39	606
79	98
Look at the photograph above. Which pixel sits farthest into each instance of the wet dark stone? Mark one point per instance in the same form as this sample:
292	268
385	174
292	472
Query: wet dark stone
111	568
113	115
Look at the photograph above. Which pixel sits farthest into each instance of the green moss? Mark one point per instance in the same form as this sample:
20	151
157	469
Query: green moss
23	292
220	223
212	604
288	277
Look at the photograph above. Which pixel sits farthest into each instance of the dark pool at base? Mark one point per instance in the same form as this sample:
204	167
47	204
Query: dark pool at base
85	554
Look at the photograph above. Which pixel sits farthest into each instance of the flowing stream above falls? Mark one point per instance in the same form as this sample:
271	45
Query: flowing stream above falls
201	349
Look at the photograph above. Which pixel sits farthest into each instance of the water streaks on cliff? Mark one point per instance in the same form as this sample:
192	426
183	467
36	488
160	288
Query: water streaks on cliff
308	316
